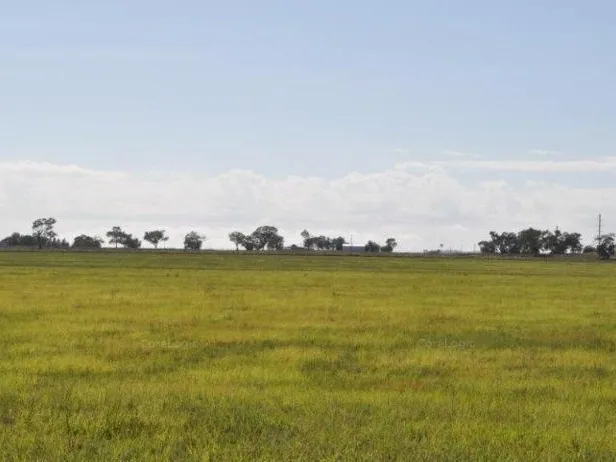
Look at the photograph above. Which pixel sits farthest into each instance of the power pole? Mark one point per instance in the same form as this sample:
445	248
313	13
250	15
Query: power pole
599	235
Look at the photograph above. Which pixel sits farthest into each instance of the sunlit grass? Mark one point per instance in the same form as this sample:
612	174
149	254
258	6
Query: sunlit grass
233	357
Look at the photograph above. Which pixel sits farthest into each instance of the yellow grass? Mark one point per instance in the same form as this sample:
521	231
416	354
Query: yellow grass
153	356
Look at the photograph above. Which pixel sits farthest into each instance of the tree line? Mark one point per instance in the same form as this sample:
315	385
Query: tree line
529	241
262	238
537	242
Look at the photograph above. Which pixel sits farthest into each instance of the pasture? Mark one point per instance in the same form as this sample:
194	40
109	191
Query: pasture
173	357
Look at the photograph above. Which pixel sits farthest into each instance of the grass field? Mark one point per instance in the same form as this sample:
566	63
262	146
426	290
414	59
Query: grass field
120	356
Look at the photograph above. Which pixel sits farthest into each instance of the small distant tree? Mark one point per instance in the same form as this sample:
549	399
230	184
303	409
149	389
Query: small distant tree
372	247
338	243
42	230
390	245
322	242
116	236
487	247
308	241
311	243
154	237
193	241
87	242
16	240
130	242
27	240
238	239
573	242
589	249
56	243
249	243
275	243
263	235
531	241
605	246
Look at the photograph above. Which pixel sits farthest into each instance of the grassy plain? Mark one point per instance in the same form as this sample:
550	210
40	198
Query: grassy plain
143	356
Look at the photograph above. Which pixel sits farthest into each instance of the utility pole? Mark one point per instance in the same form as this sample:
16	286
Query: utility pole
599	235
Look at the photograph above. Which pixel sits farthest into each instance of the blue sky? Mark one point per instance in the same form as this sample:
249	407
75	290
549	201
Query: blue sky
309	89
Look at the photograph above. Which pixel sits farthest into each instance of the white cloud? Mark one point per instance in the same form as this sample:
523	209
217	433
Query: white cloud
544	152
546	166
421	204
461	154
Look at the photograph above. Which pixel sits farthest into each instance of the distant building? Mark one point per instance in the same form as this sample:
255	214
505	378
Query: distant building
353	248
295	248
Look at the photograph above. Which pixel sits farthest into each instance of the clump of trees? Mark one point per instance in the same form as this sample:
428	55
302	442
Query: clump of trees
532	241
322	242
43	236
374	247
118	237
29	240
537	242
264	237
19	240
87	242
529	241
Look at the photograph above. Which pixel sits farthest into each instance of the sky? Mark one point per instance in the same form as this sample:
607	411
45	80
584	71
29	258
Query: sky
431	122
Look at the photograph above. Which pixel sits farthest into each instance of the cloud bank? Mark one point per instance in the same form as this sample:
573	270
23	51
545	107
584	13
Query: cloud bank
422	204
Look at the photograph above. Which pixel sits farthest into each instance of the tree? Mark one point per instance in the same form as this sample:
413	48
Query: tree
308	241
390	245
19	240
510	243
42	230
505	243
589	249
193	241
275	243
338	243
130	242
58	244
311	243
559	243
530	241
554	242
605	246
238	239
322	242
28	240
116	236
87	242
263	235
249	243
154	237
573	241
14	240
487	247
372	246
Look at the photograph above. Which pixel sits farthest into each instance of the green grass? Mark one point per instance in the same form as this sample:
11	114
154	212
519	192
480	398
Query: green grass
152	356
